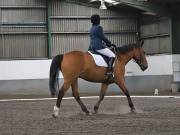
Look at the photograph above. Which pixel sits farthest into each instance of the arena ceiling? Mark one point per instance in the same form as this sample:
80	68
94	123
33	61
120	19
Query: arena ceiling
152	7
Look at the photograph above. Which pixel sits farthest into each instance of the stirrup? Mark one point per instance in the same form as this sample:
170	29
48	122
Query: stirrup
110	75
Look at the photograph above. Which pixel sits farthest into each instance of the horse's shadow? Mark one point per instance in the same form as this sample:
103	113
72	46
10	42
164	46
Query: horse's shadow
102	113
122	110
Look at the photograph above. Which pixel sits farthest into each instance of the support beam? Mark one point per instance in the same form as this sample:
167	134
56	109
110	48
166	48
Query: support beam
175	31
146	6
49	27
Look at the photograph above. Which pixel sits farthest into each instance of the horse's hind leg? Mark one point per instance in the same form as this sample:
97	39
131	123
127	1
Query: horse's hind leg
121	84
75	93
101	96
62	91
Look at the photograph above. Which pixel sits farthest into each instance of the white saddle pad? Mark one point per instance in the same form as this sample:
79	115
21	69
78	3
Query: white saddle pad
99	60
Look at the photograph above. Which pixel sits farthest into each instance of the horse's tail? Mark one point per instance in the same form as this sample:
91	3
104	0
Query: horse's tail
54	73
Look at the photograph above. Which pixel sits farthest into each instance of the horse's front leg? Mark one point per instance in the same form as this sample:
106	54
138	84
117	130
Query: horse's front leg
122	86
101	96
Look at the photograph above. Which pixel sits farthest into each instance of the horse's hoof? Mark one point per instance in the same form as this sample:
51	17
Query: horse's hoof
54	116
95	109
133	110
88	114
95	112
56	112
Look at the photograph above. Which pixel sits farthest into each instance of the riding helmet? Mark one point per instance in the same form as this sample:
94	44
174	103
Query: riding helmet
95	19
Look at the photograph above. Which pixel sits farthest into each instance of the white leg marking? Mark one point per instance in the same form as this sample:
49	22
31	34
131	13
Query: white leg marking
56	111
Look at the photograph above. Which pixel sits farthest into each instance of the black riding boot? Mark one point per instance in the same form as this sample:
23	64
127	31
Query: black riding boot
110	68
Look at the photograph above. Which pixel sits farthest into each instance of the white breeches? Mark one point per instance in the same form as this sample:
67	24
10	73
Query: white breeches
107	52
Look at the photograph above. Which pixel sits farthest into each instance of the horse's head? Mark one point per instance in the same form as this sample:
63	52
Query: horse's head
139	56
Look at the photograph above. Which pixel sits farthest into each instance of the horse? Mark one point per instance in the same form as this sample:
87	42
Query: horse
78	64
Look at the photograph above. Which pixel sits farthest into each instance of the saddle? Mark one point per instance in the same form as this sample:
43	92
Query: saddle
96	55
100	59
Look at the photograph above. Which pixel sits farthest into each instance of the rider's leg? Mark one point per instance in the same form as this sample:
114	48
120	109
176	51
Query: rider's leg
110	67
111	55
107	52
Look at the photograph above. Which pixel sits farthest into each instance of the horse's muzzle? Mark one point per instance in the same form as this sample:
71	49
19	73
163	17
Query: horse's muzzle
143	68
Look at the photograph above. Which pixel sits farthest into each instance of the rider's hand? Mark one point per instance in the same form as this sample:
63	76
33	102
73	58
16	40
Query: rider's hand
113	45
108	45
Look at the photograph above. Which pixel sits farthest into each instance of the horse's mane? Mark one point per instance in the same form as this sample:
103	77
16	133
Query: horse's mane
126	48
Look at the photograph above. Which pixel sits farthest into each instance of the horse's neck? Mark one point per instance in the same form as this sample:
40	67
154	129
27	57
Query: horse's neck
126	57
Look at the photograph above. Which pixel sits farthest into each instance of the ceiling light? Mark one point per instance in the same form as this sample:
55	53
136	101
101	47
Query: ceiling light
103	6
113	2
143	0
93	0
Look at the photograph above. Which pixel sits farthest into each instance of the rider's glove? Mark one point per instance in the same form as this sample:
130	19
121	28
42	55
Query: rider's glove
113	45
108	45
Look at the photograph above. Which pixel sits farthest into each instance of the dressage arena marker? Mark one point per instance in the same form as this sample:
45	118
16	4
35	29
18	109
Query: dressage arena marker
156	92
90	97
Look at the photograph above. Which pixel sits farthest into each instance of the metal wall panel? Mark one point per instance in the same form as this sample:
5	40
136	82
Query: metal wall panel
71	23
23	15
61	8
112	13
158	45
69	42
151	46
71	8
0	16
119	25
150	29
122	39
23	33
154	28
23	46
83	25
22	2
64	25
156	33
164	26
23	30
63	43
19	29
1	45
165	45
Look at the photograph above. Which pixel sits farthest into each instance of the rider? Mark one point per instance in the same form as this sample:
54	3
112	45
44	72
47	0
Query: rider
97	40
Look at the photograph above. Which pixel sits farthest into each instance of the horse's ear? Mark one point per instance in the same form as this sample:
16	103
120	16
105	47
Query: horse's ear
141	43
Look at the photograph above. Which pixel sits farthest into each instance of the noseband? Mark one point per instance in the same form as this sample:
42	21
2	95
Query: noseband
138	61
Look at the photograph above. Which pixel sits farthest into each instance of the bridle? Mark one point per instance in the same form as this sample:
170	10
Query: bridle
139	62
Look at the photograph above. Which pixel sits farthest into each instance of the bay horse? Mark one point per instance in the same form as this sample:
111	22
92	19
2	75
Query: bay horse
78	64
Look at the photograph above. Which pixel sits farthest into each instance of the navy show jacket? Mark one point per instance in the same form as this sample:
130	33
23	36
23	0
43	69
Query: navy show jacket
97	38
